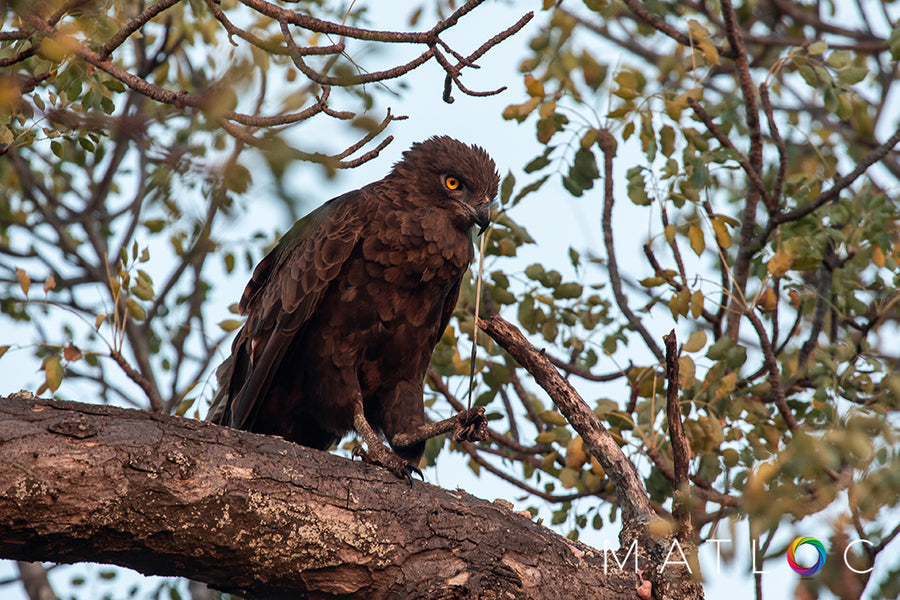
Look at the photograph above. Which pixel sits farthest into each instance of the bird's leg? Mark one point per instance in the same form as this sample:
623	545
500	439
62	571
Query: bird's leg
469	425
377	453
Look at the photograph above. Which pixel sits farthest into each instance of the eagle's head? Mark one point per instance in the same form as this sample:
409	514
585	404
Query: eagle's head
457	177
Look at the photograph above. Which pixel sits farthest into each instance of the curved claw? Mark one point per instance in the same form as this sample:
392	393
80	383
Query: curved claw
408	471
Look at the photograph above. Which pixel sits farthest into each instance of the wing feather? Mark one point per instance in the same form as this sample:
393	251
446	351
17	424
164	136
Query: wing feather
282	295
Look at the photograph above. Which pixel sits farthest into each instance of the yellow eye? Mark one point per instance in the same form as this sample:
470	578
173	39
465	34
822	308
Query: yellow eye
451	182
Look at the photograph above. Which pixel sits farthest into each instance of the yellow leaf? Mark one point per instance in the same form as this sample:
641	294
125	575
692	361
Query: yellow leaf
679	303
687	371
588	139
568	478
652	281
547	109
3	350
24	280
184	406
726	385
50	283
723	236
780	263
229	324
575	454
545	437
99	321
697	304
669	232
698	244
534	87
878	257
695	342
701	35
53	372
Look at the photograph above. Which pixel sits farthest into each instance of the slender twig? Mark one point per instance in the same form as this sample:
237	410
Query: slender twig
842	183
778	188
771	362
510	413
481	462
823	301
754	156
742	160
149	389
133	25
585	374
522	394
606	146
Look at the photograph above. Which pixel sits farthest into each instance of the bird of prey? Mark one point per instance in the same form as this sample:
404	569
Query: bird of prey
343	315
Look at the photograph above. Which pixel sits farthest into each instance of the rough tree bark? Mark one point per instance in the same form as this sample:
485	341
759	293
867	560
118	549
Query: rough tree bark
260	516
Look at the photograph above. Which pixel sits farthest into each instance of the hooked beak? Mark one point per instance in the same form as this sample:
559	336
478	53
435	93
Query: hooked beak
483	216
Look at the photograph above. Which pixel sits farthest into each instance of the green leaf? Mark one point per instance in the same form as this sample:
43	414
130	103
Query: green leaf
535	271
539	162
719	349
506	188
894	42
852	75
553	418
530	188
636	190
817	47
136	311
567	291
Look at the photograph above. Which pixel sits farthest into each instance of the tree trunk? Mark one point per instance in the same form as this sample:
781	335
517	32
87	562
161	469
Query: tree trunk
259	516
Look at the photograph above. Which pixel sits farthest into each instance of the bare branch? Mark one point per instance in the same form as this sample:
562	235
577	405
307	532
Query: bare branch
606	146
771	363
133	25
632	497
681	450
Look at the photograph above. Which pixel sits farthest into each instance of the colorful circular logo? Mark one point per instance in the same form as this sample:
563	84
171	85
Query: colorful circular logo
800	541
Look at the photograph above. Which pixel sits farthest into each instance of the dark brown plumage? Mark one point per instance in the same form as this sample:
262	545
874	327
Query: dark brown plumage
343	315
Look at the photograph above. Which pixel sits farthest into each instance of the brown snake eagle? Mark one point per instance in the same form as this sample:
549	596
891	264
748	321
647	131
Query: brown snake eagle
343	315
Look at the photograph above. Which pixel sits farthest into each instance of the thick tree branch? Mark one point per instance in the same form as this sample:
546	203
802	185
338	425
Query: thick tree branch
638	515
630	492
260	516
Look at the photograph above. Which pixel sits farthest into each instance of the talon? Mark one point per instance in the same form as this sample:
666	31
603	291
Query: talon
410	469
472	426
389	461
